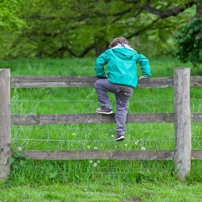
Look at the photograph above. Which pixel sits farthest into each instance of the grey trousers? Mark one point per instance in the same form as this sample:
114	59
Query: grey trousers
122	93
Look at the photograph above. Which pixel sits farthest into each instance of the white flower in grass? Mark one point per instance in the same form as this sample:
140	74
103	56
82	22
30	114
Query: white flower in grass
98	161
88	147
90	161
95	148
126	145
136	143
137	140
116	146
143	148
95	164
19	148
106	134
112	135
74	134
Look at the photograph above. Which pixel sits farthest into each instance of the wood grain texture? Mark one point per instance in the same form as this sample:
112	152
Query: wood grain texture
88	81
196	81
99	154
47	119
5	124
106	154
181	88
79	81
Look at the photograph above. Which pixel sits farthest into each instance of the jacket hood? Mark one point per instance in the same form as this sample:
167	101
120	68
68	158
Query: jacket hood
124	53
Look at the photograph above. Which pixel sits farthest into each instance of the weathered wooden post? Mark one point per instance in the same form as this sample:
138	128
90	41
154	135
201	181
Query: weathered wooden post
5	125
182	156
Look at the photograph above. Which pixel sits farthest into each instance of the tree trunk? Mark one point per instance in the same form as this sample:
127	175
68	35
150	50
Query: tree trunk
99	50
199	9
100	46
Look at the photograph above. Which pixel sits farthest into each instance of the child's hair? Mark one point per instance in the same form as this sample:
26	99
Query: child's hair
119	40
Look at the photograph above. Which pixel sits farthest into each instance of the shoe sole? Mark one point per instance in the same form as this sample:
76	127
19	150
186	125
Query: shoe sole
120	138
105	112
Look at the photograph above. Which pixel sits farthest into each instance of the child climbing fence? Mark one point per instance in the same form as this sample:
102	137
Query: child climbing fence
182	118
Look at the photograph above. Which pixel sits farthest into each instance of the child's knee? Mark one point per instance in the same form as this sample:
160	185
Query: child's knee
97	83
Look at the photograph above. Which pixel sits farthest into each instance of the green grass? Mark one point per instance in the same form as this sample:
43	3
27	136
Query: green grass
93	191
108	180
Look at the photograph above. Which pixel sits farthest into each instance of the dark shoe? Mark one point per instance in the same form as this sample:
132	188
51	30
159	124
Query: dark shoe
104	111
119	138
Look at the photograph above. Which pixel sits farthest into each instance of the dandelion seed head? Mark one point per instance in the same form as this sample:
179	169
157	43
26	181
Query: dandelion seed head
136	143
90	161
95	148
143	148
98	161
95	164
88	147
74	134
126	145
112	135
19	148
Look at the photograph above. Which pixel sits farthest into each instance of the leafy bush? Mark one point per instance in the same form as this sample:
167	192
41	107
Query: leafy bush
188	38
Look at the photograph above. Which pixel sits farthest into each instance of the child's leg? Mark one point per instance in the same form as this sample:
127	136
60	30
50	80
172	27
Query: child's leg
101	86
122	108
122	93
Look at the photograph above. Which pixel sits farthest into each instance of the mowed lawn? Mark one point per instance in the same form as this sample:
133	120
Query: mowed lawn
99	180
104	191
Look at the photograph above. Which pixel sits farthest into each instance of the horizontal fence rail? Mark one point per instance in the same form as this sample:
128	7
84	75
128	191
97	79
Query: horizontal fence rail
88	81
52	119
79	81
46	119
105	154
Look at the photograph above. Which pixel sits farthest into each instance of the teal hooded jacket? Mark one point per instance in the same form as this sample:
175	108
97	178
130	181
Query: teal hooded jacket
121	66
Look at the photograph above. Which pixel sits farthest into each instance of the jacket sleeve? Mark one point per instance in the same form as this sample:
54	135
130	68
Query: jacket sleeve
99	65
144	65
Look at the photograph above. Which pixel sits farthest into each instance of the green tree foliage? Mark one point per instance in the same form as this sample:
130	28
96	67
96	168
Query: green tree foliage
8	19
188	38
58	28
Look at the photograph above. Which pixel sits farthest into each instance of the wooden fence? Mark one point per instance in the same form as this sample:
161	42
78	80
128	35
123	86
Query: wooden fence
182	154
